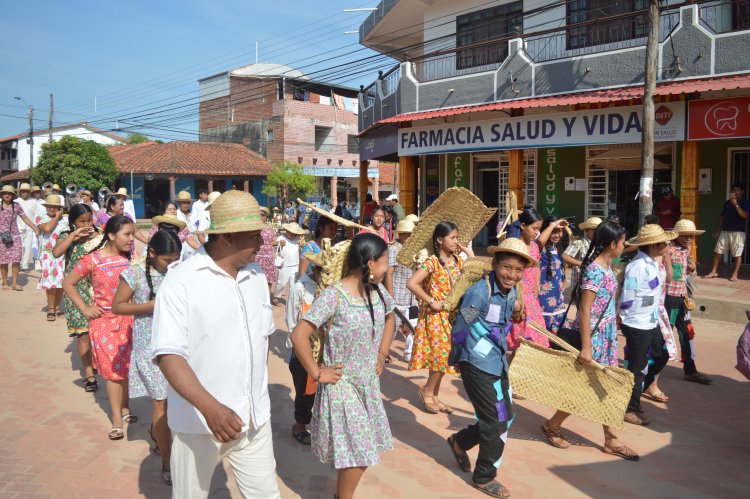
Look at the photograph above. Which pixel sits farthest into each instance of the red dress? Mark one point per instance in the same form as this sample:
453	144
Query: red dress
530	285
111	335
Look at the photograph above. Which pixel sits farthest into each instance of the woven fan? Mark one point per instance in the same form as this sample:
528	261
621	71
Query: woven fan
474	269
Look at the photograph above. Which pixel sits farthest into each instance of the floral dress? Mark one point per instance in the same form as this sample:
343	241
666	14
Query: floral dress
78	323
349	424
604	340
551	285
8	223
144	378
110	334
432	338
264	258
53	269
530	285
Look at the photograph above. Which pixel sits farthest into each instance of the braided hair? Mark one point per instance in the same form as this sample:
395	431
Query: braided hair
605	234
112	227
164	242
441	231
560	246
364	248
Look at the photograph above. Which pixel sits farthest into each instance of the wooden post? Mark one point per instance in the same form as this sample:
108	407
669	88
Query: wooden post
334	191
172	191
646	199
362	189
246	186
210	186
689	185
516	175
407	174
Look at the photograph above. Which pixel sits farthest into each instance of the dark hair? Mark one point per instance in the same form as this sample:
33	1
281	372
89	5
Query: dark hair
442	230
560	246
111	201
651	219
737	185
166	205
77	211
605	234
168	226
202	191
366	247
368	197
504	255
163	242
322	223
113	226
529	216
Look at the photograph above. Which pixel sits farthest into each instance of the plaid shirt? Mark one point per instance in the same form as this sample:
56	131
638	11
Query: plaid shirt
401	275
678	285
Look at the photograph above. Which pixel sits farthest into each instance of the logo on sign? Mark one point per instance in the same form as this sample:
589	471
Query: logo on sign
721	118
663	115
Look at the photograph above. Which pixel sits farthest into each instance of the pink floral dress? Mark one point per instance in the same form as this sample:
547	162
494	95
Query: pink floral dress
530	285
264	258
53	269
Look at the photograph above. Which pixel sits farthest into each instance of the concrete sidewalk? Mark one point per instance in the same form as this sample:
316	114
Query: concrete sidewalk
54	443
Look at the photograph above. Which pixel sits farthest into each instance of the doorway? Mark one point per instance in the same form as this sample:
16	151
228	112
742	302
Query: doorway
487	179
739	171
155	194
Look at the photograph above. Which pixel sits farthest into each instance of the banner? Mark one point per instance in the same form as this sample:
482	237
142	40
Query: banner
458	170
616	125
549	182
719	118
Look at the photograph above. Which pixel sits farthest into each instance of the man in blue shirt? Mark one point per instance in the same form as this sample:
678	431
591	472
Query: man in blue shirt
732	231
479	349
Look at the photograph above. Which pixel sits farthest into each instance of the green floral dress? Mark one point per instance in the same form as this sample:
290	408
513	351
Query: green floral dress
78	323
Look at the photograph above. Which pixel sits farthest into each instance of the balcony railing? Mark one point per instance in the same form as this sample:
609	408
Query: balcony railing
390	80
725	16
8	164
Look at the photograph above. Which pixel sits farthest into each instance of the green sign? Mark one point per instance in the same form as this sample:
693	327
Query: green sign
458	170
550	173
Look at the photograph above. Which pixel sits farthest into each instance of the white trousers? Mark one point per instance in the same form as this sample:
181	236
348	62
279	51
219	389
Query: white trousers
285	279
27	241
195	457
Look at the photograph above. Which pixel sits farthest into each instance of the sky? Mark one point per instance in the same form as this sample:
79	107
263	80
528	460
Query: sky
140	60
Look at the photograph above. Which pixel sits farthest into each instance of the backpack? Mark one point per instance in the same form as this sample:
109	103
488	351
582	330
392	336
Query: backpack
743	350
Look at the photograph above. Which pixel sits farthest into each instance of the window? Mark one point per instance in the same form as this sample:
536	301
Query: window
281	89
601	33
486	25
323	139
352	144
300	94
269	135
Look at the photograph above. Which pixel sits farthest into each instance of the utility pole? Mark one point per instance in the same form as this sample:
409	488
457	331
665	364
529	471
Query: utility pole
31	136
646	200
51	114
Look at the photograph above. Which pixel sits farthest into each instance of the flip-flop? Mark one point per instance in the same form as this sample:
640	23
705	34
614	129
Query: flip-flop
656	397
463	461
116	434
6	287
129	418
623	451
303	437
491	489
699	378
17	288
710	276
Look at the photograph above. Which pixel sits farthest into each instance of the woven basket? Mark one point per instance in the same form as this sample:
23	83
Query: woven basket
556	379
474	269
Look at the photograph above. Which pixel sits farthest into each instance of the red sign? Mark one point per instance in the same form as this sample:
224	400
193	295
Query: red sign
662	115
719	118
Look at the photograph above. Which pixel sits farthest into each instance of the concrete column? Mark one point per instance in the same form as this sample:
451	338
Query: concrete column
334	191
246	186
516	175
210	186
172	191
362	189
689	185
407	177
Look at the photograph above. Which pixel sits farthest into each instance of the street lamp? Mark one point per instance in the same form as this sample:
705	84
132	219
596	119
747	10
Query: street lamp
31	130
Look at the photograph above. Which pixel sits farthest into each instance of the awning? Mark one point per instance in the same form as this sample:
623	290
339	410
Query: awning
588	97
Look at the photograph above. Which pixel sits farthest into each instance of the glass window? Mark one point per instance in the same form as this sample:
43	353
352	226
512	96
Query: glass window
600	33
497	23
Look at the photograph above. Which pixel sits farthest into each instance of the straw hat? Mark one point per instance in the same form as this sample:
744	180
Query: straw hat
339	220
590	223
651	234
331	260
122	191
473	270
515	246
86	192
8	188
56	187
36	188
235	211
24	187
275	208
182	196
294	228
686	227
405	226
457	205
412	218
168	219
53	201
211	198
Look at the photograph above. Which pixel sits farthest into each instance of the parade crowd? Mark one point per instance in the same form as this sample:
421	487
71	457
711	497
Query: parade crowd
186	322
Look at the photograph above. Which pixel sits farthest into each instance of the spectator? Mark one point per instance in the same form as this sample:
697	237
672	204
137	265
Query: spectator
200	205
667	208
370	206
397	209
731	231
289	212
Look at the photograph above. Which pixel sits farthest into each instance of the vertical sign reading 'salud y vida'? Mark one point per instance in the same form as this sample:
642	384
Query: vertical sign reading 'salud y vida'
550	182
458	170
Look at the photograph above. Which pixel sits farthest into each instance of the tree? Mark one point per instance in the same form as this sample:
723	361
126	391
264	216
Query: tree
137	138
71	160
646	201
288	180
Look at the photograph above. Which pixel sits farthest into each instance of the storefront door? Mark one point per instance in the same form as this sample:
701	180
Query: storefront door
739	171
487	179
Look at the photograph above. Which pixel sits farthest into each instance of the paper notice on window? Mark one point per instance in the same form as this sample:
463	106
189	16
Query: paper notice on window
646	185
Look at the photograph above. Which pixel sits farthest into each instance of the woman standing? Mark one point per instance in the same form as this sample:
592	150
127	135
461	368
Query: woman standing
80	240
431	283
349	426
264	258
377	224
115	205
11	247
552	277
135	296
110	334
51	226
596	321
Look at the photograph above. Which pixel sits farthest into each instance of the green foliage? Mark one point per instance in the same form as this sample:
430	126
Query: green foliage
288	181
137	138
71	160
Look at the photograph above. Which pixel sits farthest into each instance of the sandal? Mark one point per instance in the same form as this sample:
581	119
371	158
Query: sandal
129	418
555	437
6	287
51	317
116	434
656	397
17	288
431	408
623	451
90	386
699	378
635	419
463	461
493	489
444	408
302	437
155	449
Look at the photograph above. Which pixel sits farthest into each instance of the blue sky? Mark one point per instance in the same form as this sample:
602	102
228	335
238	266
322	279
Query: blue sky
136	55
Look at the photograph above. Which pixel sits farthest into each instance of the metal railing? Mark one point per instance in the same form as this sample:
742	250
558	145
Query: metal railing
8	164
390	80
725	16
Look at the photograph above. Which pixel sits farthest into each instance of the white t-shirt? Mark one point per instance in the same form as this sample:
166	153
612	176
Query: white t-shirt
31	209
130	208
290	251
199	209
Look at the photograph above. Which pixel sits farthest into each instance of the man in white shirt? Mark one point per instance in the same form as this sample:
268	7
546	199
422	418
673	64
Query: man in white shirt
212	320
184	204
200	205
30	207
129	207
289	249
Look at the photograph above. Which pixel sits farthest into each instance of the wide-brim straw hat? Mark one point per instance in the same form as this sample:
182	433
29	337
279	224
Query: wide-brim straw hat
651	234
8	189
235	211
56	187
87	192
515	246
182	196
405	226
36	188
457	205
686	228
473	270
24	187
412	218
122	191
53	200
211	198
294	228
168	219
590	223
339	220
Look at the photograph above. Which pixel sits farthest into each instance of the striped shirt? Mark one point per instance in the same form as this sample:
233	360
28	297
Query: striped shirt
678	285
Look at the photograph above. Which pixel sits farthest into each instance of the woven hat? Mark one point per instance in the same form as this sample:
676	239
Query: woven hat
294	228
168	219
53	200
36	188
275	208
332	262
515	246
211	198
56	187
405	226
8	188
339	220
316	259
24	187
473	270
122	191
181	196
686	227
235	211
590	223
87	192
457	205
651	234
412	218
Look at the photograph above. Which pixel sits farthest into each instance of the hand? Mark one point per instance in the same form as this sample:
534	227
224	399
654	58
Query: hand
329	375
381	364
436	306
282	243
223	422
82	233
585	356
562	223
93	312
716	234
732	198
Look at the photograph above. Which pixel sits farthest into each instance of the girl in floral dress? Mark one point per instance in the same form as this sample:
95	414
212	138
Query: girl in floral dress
264	258
349	425
597	285
431	284
110	334
10	253
552	277
135	295
51	225
73	245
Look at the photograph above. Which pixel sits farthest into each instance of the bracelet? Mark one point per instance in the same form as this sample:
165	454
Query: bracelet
317	380
381	353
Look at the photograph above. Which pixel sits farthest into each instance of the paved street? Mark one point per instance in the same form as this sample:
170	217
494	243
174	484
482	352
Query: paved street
53	435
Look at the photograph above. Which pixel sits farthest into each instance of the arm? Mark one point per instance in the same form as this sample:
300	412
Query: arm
70	289
48	227
668	266
385	342
584	314
63	244
544	236
389	280
294	305
121	302
742	213
415	286
31	225
301	342
304	264
571	261
142	238
191	241
718	228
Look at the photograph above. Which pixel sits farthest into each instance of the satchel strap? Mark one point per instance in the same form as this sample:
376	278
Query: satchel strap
601	317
